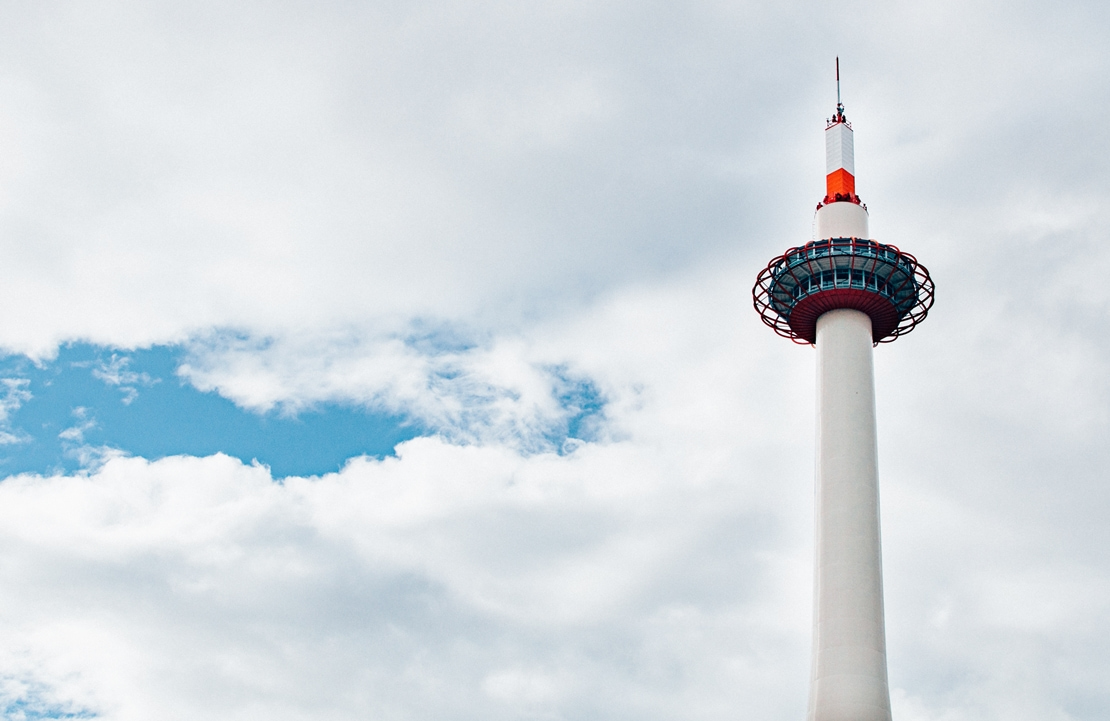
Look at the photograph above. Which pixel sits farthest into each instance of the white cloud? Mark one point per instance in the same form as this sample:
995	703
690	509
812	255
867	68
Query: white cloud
490	392
14	394
454	580
115	372
396	587
662	571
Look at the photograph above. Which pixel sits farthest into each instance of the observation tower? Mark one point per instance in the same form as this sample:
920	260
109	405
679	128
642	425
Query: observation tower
845	293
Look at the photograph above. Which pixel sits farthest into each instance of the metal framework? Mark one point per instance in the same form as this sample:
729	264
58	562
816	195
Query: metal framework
887	284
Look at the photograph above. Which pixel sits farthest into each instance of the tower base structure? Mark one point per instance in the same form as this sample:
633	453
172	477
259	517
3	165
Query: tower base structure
849	676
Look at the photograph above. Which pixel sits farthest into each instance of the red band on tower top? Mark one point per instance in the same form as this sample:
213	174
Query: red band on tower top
840	182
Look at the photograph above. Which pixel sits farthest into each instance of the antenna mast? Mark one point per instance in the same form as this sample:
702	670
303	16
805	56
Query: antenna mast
839	117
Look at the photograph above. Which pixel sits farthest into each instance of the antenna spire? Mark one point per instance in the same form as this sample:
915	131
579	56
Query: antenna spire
839	105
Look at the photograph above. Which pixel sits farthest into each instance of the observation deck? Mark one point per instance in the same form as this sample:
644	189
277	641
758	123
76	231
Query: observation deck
887	284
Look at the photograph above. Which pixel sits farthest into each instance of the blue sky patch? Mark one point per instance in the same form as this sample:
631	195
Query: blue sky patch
24	700
584	404
61	415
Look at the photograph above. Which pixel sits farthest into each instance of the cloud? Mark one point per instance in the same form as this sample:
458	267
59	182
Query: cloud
661	568
74	444
475	579
474	393
76	433
114	372
15	394
359	593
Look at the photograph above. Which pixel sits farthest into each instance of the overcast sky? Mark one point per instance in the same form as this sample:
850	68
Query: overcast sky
521	238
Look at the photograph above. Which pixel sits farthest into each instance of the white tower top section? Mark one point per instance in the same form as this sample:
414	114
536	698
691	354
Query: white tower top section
839	149
841	220
840	214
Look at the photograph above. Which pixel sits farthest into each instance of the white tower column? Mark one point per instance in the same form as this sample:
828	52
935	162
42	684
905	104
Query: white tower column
849	678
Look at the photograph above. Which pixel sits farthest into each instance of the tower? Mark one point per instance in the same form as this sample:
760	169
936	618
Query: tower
844	294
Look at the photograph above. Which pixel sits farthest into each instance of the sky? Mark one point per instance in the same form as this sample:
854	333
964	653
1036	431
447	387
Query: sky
397	360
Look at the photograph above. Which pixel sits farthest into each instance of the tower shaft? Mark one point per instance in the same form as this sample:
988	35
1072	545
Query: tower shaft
849	677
